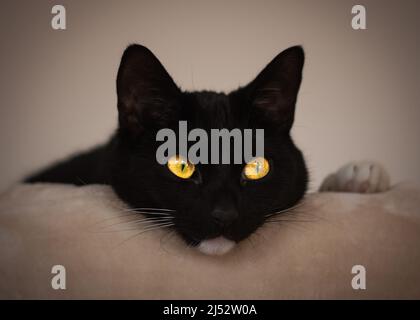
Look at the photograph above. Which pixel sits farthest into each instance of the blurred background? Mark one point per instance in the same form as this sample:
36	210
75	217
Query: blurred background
359	98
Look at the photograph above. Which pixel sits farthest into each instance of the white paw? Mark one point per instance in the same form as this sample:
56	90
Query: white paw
361	177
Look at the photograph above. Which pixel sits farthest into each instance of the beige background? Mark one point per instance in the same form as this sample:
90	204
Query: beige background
359	98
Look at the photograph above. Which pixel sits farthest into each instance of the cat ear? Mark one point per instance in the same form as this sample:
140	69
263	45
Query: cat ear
274	91
147	94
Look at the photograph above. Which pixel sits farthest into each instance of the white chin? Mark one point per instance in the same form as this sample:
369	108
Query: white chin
216	246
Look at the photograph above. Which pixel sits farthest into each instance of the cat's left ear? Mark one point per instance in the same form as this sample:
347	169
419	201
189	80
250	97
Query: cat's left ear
274	91
147	95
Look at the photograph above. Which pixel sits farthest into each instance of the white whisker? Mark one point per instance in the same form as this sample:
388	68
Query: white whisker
149	209
147	227
286	210
142	220
161	226
149	213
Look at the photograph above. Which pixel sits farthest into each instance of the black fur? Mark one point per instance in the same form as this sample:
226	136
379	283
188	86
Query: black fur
148	100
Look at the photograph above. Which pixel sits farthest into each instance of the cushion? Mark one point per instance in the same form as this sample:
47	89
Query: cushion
309	254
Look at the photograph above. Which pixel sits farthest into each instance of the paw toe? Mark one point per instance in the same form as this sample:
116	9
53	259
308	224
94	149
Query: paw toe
360	177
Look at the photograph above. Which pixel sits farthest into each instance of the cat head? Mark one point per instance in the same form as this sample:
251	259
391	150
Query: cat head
214	206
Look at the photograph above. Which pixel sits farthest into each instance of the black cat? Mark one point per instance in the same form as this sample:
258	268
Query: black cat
217	206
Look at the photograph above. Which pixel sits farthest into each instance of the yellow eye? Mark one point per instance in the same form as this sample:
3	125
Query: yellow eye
256	169
180	167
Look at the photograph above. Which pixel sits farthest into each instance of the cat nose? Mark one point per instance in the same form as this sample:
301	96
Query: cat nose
224	217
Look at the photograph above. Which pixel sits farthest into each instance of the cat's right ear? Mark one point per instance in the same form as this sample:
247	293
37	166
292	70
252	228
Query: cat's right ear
147	95
274	91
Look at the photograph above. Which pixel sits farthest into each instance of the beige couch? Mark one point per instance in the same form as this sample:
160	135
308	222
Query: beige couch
311	255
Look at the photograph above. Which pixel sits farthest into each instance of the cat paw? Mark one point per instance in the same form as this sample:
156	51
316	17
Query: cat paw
360	177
